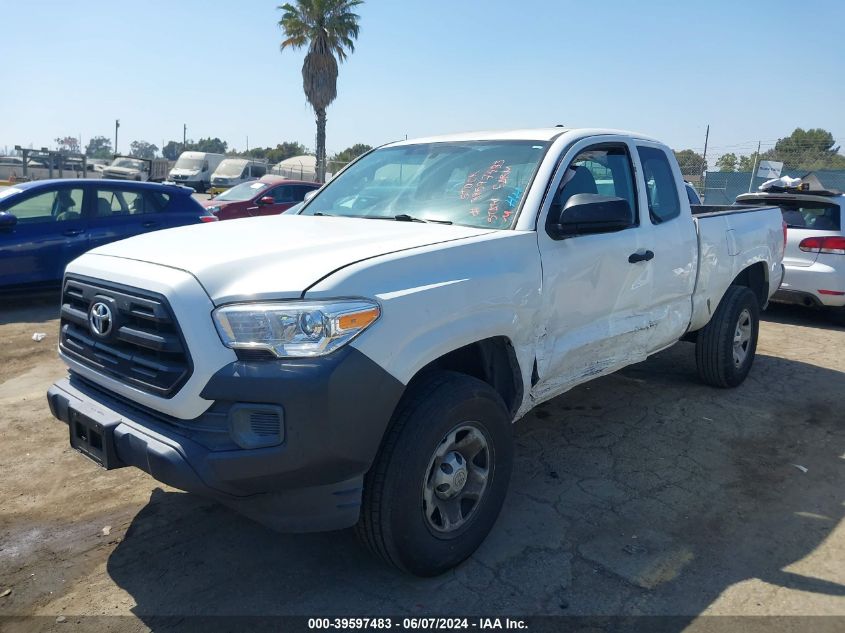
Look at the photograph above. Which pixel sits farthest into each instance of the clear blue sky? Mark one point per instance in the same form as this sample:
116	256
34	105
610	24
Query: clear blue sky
752	70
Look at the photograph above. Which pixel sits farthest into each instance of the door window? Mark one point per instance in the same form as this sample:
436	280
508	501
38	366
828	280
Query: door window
123	203
282	194
661	189
62	205
602	169
299	192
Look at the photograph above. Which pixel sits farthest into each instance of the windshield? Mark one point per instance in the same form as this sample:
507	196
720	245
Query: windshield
128	163
231	168
188	163
474	183
243	191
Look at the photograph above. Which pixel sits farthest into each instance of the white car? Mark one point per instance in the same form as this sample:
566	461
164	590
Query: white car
361	362
815	246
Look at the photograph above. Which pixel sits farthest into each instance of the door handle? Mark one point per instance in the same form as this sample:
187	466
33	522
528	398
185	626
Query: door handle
73	232
150	224
635	258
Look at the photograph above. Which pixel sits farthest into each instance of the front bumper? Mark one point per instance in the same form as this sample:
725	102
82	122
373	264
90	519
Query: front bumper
312	481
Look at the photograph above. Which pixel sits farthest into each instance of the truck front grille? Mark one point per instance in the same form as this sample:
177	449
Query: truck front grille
138	343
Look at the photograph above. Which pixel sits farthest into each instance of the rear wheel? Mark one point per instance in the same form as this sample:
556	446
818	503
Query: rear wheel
439	480
726	346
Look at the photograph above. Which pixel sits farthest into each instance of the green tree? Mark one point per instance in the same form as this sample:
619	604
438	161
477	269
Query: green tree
285	150
691	162
68	144
171	150
746	163
99	147
329	29
807	150
727	162
351	153
142	149
211	145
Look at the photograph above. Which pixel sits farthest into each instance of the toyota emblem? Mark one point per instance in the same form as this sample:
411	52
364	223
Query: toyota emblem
100	319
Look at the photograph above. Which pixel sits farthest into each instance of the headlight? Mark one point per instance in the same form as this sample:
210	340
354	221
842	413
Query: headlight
294	328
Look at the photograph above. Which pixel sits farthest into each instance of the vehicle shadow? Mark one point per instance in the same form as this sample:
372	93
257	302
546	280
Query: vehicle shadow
788	314
30	307
642	493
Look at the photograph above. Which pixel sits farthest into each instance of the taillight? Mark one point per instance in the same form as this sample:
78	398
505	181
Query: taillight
831	244
783	250
208	218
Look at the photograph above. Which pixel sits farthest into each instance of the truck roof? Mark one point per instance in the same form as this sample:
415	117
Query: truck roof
535	134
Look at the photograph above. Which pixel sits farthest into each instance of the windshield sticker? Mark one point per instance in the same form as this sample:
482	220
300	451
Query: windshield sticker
468	183
256	185
503	178
488	174
492	210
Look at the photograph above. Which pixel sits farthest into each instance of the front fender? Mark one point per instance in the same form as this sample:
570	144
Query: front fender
442	297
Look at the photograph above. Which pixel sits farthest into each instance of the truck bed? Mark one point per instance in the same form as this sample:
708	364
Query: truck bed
732	238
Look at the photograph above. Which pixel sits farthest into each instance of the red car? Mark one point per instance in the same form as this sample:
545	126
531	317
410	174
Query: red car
270	195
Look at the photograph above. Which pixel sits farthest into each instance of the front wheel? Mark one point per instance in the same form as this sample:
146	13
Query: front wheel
725	347
439	480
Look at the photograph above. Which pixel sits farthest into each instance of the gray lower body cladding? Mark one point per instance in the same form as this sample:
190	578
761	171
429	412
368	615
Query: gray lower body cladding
335	411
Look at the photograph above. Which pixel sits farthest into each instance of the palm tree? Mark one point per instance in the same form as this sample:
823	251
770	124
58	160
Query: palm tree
329	28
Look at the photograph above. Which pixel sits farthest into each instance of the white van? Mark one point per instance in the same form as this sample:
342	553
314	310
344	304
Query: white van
234	171
194	169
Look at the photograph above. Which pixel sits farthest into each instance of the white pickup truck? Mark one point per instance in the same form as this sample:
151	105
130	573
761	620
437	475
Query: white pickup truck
361	362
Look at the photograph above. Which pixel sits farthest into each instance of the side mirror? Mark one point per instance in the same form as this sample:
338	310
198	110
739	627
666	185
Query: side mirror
266	200
309	195
587	213
7	221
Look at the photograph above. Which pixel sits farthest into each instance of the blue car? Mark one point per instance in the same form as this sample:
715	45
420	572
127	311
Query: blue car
47	223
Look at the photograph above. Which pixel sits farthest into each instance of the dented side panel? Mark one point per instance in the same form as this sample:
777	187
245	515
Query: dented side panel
596	312
728	244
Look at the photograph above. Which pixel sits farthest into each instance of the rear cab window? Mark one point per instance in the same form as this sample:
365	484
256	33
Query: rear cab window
661	188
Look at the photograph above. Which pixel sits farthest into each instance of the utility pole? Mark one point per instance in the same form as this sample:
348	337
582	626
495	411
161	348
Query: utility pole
116	126
754	168
704	164
184	136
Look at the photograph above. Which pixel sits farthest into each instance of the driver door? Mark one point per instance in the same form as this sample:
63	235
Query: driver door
595	298
50	231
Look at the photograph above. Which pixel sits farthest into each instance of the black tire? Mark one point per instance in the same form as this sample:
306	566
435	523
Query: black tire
394	524
714	347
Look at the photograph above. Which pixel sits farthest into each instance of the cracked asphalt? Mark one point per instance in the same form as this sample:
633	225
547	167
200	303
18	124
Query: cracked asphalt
641	493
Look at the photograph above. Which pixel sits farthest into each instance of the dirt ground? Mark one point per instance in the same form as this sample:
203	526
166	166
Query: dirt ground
642	493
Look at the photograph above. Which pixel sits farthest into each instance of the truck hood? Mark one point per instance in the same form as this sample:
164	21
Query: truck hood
274	257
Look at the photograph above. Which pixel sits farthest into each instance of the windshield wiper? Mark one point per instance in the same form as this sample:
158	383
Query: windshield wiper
327	215
404	217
